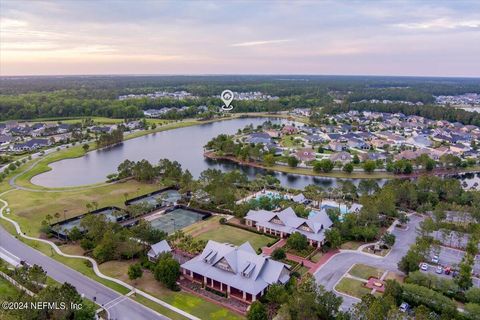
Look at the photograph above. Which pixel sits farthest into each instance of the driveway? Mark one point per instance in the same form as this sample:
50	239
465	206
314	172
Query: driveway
331	272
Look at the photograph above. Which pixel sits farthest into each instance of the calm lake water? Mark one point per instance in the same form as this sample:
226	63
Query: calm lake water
184	145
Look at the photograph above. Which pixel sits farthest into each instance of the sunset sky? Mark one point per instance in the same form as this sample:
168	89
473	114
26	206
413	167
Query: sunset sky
421	38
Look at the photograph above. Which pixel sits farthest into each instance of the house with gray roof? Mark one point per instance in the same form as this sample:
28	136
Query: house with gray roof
259	137
286	222
157	249
238	272
343	157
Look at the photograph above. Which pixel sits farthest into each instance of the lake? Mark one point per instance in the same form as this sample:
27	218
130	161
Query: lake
184	145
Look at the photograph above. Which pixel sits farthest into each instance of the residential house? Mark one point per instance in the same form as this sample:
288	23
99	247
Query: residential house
289	130
336	146
357	144
410	154
63	128
5	139
378	143
259	137
373	156
305	154
314	139
343	157
31	145
273	133
238	272
419	141
101	129
286	222
459	148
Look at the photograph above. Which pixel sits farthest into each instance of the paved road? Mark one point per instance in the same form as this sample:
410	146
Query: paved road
119	307
331	272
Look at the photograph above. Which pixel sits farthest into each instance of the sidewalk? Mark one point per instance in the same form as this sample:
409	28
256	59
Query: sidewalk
312	266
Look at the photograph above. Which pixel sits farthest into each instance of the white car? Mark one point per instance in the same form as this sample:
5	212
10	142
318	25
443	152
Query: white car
435	259
404	307
439	270
424	266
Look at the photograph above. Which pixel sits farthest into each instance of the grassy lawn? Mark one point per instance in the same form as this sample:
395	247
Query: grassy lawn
7	289
235	236
30	208
202	226
182	300
73	249
317	256
290	141
352	287
302	270
351	245
302	253
395	276
365	272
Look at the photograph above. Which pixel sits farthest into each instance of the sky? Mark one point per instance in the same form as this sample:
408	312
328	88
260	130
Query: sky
82	37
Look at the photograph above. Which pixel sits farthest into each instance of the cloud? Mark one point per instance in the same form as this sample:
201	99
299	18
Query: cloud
439	24
259	43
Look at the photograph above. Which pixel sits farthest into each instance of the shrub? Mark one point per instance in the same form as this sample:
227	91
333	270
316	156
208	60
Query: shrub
135	271
87	244
473	295
292	162
417	295
167	271
279	254
297	241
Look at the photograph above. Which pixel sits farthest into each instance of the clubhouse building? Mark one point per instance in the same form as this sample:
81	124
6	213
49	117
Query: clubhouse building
237	272
286	222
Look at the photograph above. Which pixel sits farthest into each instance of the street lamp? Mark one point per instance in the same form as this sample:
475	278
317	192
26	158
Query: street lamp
173	220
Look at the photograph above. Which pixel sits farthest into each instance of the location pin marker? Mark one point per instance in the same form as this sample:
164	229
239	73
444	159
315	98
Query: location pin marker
227	98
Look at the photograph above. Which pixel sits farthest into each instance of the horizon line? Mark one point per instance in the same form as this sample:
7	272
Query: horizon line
233	74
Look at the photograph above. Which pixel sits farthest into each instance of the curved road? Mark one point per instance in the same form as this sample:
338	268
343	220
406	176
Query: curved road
330	273
119	307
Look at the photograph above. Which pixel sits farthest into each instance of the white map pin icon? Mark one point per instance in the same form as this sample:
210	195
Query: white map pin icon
227	98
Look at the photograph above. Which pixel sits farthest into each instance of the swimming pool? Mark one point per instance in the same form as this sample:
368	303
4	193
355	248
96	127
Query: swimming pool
344	209
176	219
271	195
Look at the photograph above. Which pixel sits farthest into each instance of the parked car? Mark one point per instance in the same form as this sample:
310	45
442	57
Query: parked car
404	307
448	270
439	270
435	259
424	266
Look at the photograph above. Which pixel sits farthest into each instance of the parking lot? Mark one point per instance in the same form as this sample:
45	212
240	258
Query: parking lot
452	257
